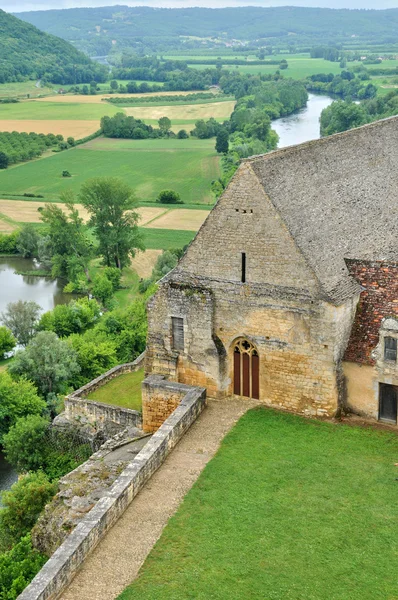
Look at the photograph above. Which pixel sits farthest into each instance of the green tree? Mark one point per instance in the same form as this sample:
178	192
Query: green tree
18	566
94	357
23	504
47	361
182	134
21	318
74	317
169	197
71	250
222	145
114	275
28	239
111	204
164	125
25	443
102	288
7	341
114	84
4	160
17	399
340	116
70	141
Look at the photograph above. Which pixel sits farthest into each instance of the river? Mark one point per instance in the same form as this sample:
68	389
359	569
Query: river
302	125
46	292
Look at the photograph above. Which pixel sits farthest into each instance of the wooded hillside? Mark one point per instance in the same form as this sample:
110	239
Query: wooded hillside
28	53
93	29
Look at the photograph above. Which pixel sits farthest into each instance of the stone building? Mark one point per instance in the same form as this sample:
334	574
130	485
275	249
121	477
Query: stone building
289	291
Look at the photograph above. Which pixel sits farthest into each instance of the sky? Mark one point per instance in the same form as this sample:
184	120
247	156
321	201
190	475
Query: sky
27	5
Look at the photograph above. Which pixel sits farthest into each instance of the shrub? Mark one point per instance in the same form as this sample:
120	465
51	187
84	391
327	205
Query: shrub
28	239
17	399
24	444
182	134
93	357
23	504
169	197
114	275
18	566
102	288
70	141
8	243
7	341
66	174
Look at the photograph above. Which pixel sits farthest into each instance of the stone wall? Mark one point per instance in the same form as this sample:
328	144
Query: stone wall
159	399
78	408
57	573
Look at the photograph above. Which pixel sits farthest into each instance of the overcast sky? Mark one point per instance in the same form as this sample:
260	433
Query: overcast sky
24	5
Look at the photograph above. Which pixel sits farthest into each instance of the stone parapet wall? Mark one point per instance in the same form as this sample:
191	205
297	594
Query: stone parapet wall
159	399
57	573
77	406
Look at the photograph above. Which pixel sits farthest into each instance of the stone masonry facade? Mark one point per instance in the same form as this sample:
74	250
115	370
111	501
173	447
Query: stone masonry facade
292	277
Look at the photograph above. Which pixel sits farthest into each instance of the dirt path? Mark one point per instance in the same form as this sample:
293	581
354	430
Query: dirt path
117	559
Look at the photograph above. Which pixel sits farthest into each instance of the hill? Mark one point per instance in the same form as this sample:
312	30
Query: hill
93	29
28	53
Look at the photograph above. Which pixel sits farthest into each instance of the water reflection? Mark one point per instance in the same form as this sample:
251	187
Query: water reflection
302	125
46	292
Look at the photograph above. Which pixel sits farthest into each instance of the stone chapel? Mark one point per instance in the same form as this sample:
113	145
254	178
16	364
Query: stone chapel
289	291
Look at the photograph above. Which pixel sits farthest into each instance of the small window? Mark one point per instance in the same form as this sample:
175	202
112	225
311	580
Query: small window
243	273
390	348
178	333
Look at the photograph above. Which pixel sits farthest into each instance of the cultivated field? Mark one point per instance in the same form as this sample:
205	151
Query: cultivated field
76	129
144	262
38	110
98	98
26	211
185	112
189	171
188	220
288	508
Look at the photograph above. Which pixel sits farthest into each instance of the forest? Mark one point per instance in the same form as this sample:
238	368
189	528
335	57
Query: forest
93	29
27	53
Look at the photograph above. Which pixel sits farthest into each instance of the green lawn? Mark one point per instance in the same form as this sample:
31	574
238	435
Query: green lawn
124	391
47	110
162	239
289	509
12	90
189	171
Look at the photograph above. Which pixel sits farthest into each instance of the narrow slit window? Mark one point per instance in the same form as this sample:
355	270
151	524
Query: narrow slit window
390	349
177	324
243	274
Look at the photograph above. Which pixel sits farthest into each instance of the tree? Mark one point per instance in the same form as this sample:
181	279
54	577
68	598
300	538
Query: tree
17	399
94	357
25	443
114	84
23	504
21	318
70	141
28	239
222	145
114	275
7	341
182	134
111	204
71	249
47	361
169	197
102	289
164	125
74	317
18	566
340	116
4	160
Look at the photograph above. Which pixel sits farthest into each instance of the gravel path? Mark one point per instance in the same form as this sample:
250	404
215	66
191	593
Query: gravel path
116	560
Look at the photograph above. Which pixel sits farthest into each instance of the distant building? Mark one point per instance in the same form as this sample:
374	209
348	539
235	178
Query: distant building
289	292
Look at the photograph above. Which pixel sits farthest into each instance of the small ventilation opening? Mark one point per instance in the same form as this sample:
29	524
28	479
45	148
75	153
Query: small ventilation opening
243	274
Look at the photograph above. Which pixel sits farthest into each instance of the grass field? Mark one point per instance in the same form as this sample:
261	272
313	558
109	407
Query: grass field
35	110
124	391
163	239
289	509
188	171
186	112
19	89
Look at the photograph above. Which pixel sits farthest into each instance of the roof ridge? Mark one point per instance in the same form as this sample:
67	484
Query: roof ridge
324	140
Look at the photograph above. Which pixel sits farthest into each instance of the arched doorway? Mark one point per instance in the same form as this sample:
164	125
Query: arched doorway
246	370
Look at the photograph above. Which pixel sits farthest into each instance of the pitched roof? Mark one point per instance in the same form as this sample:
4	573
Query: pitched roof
338	196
